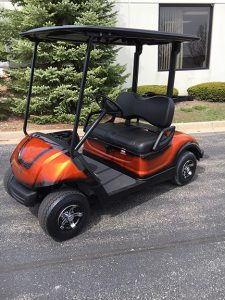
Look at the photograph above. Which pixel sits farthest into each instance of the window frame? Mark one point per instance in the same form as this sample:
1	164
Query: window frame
211	6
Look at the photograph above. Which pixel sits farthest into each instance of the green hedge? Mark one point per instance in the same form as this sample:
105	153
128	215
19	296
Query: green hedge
208	91
157	89
4	111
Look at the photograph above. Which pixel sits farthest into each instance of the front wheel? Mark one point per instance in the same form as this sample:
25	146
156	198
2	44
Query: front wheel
63	214
185	168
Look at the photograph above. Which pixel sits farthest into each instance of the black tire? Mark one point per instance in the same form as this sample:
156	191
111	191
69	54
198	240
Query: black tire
54	210
7	179
185	168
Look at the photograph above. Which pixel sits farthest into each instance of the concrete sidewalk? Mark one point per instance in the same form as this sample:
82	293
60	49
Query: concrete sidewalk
13	137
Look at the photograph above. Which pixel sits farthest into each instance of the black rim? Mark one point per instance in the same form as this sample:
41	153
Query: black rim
70	217
188	169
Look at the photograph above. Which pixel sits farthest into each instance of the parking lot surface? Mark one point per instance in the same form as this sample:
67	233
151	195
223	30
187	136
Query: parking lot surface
164	242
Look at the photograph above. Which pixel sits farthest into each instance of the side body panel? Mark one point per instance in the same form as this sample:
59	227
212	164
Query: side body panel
140	166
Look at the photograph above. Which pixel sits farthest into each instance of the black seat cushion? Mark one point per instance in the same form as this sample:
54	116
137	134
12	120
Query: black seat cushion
134	139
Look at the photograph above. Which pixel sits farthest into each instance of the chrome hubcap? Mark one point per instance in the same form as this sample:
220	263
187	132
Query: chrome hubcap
188	169
70	217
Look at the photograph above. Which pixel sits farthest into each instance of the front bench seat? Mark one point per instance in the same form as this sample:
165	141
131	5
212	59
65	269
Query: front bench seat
157	110
134	139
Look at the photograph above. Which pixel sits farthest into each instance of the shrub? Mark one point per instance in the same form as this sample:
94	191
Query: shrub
2	90
4	111
157	89
208	91
3	117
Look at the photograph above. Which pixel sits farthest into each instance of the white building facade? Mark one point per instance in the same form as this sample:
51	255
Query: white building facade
197	63
5	4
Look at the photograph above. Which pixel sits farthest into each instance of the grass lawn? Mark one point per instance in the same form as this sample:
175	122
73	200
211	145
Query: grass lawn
199	111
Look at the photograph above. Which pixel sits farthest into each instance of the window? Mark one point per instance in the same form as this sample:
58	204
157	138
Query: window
195	20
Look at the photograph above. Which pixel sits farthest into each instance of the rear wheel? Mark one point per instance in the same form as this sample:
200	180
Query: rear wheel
7	179
64	214
185	169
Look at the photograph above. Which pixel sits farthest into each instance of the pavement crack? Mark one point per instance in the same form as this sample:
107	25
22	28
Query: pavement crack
118	252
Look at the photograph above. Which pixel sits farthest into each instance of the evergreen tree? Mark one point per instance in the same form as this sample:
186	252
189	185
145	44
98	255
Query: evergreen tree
59	65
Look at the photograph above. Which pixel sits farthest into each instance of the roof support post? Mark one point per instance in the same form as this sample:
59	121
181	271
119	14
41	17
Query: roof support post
135	73
173	61
81	94
33	61
136	67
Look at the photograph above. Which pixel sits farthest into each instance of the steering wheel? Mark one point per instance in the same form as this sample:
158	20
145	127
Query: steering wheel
108	104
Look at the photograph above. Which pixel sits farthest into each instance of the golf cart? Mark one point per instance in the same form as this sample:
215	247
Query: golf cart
113	158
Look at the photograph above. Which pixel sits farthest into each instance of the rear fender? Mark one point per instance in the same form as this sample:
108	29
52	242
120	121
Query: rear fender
192	147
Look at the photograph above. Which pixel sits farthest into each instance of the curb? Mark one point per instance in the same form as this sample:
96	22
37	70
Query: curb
14	137
201	127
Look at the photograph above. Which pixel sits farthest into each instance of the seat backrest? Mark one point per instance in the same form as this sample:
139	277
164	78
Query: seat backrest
157	110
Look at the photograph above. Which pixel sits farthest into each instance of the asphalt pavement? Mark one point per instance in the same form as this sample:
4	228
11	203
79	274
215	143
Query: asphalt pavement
164	242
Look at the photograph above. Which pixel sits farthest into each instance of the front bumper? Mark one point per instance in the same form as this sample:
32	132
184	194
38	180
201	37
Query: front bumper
21	193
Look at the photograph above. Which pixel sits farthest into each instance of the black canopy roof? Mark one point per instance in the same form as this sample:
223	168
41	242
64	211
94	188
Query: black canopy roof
105	35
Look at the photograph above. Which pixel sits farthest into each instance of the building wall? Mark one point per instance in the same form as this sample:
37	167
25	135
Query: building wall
5	4
145	15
